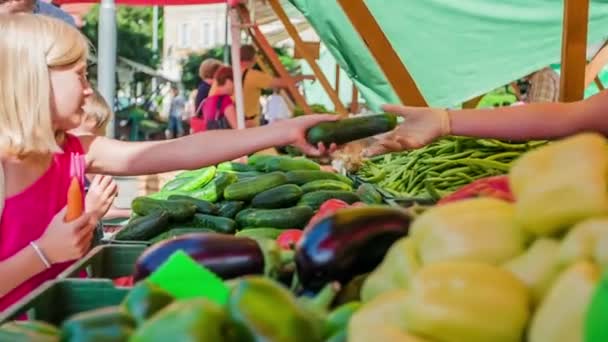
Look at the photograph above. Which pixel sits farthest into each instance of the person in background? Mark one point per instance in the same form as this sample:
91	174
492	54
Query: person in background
189	110
206	72
254	81
176	113
276	109
101	190
543	86
218	108
36	7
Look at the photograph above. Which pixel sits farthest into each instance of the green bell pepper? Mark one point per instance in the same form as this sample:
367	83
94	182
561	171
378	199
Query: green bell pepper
480	229
144	300
188	320
537	267
27	331
105	324
561	315
560	184
467	301
395	271
266	311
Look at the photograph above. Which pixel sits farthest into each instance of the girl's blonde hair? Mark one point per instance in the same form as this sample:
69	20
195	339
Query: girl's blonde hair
30	45
97	109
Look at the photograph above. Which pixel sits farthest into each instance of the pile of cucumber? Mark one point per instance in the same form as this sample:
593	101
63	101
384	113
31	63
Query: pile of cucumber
263	197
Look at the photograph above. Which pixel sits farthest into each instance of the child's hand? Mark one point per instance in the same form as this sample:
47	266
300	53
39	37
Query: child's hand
297	131
65	241
100	196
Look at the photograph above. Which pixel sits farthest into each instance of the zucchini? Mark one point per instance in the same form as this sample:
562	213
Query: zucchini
111	323
229	209
268	233
175	184
283	196
232	166
326	184
316	198
302	177
28	331
145	227
178	210
201	179
216	223
368	194
257	159
246	189
343	131
173	233
294	217
202	206
214	191
282	163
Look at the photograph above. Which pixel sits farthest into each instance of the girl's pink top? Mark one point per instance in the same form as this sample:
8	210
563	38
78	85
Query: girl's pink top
27	214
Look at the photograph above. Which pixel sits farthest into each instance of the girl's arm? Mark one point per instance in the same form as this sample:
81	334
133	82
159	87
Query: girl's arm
230	114
113	157
19	268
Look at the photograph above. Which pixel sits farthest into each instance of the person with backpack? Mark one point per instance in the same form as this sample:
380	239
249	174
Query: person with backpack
218	110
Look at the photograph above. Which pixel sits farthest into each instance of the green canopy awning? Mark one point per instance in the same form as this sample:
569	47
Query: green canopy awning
454	49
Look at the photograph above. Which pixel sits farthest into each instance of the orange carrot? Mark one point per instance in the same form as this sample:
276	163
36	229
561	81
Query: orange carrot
75	201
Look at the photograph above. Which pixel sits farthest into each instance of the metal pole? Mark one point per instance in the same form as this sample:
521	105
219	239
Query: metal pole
235	32
226	47
154	39
106	67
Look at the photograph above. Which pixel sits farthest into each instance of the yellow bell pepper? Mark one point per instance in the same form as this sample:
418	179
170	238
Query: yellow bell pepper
561	183
561	315
480	229
467	301
537	267
381	320
395	271
586	241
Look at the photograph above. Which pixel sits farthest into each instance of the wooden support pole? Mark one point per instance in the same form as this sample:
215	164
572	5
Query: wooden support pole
382	50
354	103
338	79
262	43
472	103
574	50
599	83
596	64
293	33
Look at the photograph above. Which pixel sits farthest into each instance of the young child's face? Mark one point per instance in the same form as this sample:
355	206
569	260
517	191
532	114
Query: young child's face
69	89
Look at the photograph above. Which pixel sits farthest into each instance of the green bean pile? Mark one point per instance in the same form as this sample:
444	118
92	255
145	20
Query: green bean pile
441	167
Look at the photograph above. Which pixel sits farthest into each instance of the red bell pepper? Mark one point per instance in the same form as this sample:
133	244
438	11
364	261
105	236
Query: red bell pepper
496	187
289	238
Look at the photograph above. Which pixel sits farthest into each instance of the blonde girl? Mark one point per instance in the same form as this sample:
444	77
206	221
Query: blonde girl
44	87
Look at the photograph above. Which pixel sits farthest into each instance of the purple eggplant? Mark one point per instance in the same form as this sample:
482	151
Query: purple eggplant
226	255
351	242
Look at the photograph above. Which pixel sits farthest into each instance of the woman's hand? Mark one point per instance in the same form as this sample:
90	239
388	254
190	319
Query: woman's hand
297	129
65	241
101	195
421	127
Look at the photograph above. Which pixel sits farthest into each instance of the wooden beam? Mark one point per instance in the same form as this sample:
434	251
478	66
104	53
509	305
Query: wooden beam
472	103
262	43
574	50
597	63
599	83
338	79
354	103
382	50
301	46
